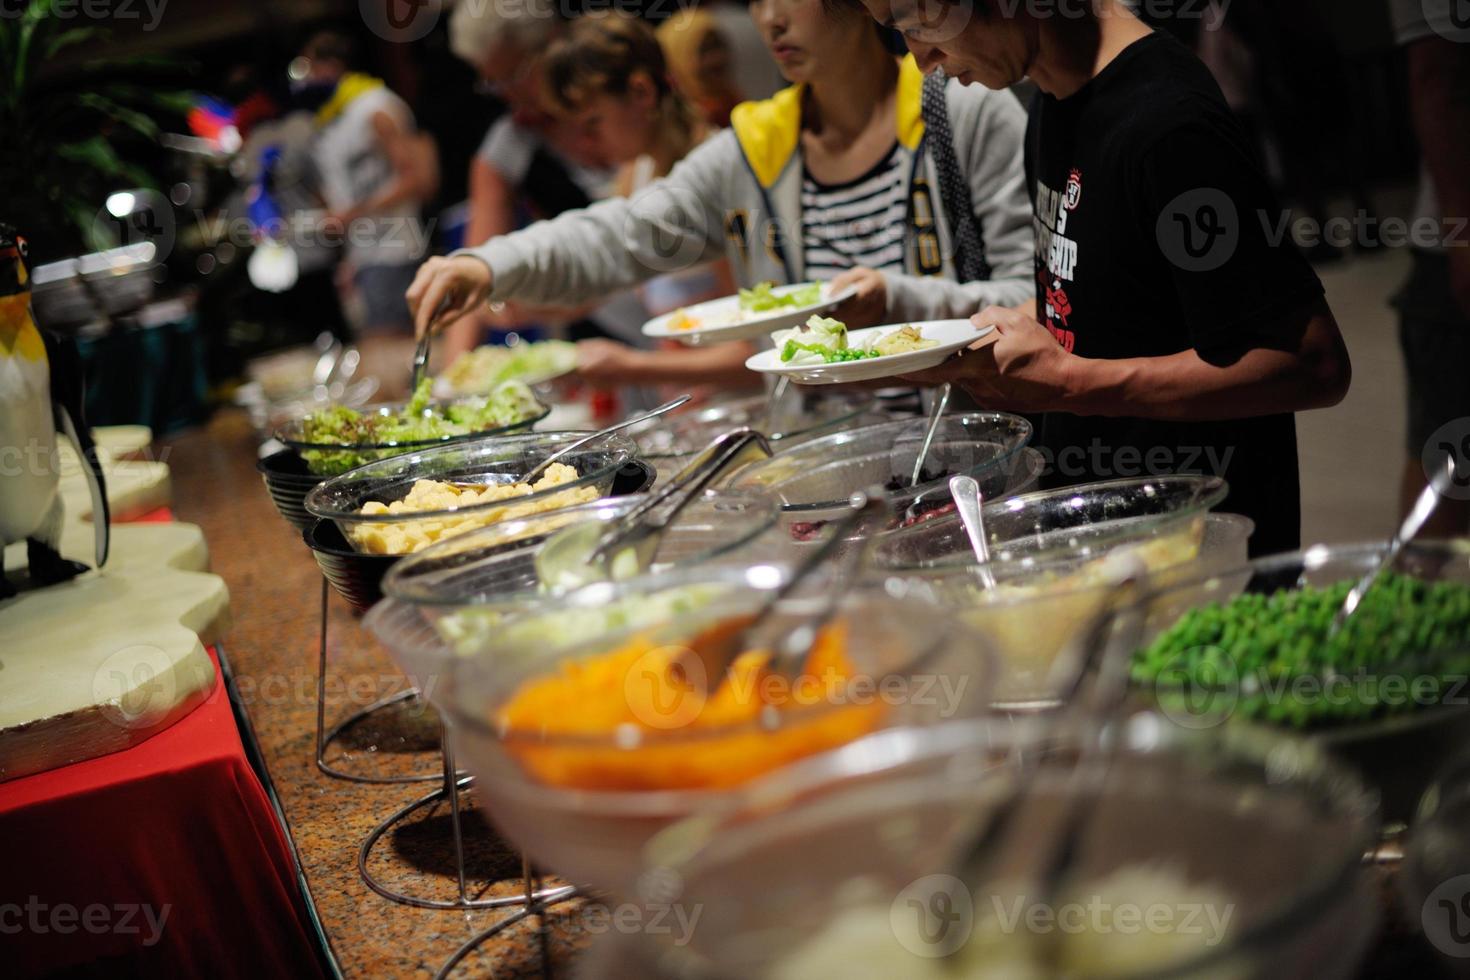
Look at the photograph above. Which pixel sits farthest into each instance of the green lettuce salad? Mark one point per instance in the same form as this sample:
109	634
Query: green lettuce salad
350	438
823	340
763	298
481	370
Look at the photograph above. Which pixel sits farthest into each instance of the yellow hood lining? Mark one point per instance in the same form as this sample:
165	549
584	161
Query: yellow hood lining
769	131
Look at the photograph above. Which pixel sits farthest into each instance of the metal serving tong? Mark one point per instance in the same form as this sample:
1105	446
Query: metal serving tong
420	361
641	529
1103	656
789	652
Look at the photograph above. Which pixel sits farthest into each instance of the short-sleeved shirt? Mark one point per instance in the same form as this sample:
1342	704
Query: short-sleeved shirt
354	167
547	180
1156	232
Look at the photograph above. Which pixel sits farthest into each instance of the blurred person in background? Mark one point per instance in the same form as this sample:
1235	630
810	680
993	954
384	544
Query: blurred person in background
834	177
376	171
608	76
533	164
1434	305
702	64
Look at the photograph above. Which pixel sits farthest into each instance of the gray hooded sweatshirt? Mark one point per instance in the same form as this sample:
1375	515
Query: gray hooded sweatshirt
738	196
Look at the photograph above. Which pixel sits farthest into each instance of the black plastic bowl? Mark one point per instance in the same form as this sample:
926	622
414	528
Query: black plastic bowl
358	577
288	481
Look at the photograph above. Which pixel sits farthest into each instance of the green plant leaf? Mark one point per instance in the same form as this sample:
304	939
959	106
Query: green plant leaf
138	122
66	39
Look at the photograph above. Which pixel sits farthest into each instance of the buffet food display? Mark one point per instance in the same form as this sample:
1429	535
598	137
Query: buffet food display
643	716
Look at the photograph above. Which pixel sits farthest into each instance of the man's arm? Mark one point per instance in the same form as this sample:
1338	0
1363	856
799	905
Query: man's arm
1439	96
1026	370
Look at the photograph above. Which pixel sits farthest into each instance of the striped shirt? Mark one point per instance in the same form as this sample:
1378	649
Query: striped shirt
857	223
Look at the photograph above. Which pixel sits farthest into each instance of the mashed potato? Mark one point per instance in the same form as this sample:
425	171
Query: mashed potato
408	536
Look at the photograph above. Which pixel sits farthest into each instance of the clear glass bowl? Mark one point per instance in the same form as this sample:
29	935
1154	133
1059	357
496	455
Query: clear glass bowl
1038	608
1420	718
1436	867
333	458
814	481
1089	519
495	460
583	802
799	418
500	563
843	865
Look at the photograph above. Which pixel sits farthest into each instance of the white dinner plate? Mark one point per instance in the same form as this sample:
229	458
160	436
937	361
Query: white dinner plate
722	319
951	334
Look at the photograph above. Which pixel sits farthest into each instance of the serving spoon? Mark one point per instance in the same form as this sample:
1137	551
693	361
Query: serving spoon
936	413
970	504
540	467
1423	508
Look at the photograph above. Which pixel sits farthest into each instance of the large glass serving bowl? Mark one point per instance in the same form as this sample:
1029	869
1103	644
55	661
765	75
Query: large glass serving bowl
506	560
581	799
670	440
814	481
847	864
1435	875
1034	612
1395	708
500	460
329	458
1088	519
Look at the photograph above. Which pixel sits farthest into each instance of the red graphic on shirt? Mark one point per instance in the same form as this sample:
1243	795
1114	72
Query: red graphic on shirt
1056	299
1074	190
1057	256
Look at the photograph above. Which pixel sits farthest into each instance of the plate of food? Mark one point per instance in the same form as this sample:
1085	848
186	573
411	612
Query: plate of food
822	351
482	370
750	313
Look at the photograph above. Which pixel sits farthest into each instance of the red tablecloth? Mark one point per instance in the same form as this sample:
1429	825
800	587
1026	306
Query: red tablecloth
163	860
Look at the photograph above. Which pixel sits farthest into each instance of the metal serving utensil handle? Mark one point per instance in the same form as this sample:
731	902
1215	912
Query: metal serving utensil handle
970	504
420	361
862	506
540	467
936	414
1058	854
687	484
1423	508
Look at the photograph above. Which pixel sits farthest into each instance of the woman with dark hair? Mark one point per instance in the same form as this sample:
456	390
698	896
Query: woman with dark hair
608	78
836	177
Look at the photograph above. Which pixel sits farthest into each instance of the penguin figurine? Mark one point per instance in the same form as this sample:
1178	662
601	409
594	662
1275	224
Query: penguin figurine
41	394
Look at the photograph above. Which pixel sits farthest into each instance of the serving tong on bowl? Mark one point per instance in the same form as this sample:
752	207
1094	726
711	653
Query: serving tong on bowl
1101	652
597	547
789	652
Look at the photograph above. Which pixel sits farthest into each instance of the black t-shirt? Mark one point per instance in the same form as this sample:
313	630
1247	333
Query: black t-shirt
1154	235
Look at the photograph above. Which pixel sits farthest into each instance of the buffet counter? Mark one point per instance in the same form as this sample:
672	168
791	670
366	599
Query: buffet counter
277	594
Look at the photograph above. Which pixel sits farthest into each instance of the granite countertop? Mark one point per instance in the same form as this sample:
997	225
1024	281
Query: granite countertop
275	589
275	595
